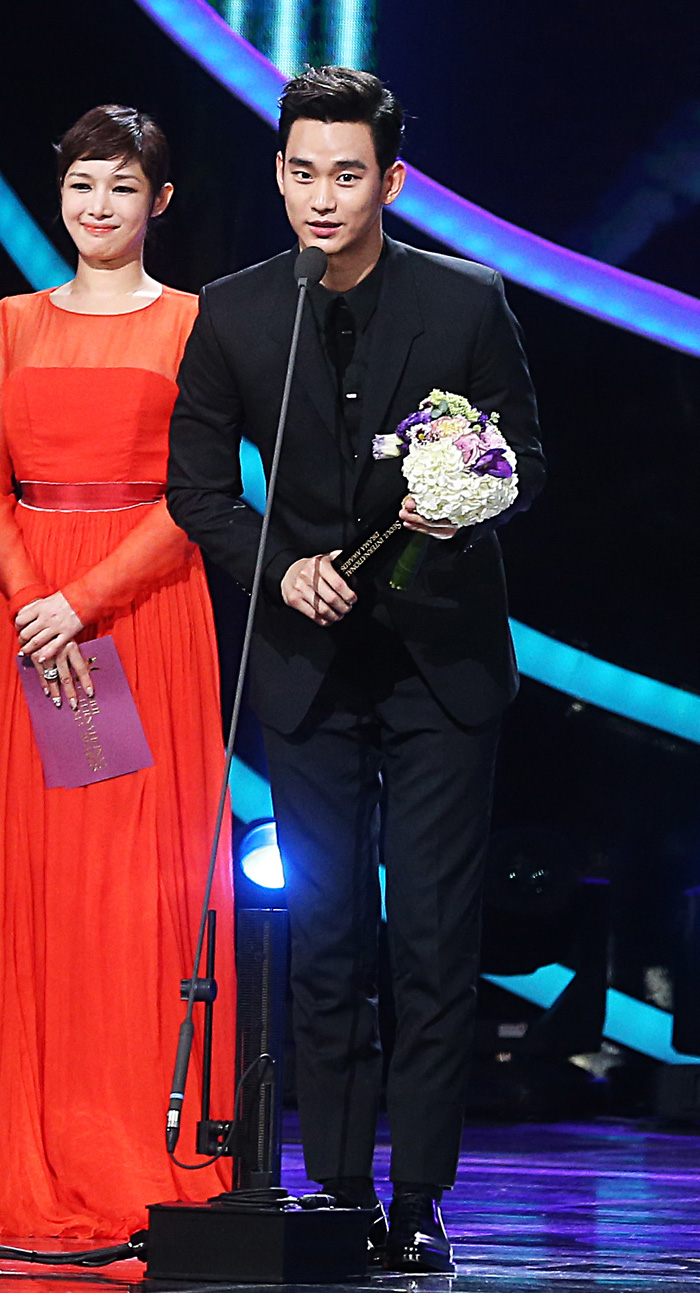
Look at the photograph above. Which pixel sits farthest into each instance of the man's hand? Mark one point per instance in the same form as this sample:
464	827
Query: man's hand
46	626
412	520
314	588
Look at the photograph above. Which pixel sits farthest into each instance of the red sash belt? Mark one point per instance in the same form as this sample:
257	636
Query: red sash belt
94	496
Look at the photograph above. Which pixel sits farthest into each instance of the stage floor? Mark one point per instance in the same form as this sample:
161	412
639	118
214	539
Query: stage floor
565	1206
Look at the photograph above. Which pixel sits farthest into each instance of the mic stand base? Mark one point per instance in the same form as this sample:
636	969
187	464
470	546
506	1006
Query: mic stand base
211	1242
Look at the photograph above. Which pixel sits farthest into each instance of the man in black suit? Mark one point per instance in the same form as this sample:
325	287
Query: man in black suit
375	697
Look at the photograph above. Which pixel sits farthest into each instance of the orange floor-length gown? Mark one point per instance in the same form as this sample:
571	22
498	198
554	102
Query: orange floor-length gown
100	887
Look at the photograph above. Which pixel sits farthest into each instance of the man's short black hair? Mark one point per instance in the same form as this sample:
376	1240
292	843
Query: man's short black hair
343	94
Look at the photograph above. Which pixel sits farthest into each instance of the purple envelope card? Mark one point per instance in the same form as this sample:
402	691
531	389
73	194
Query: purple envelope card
103	738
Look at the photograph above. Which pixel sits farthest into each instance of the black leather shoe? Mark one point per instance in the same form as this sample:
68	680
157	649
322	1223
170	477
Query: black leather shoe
378	1225
377	1237
417	1241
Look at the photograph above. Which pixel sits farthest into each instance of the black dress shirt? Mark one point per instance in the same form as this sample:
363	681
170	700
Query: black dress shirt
344	321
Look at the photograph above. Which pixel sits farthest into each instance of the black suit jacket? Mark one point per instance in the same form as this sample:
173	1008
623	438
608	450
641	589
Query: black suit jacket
440	322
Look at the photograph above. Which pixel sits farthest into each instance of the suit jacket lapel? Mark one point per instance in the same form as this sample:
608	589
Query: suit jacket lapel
312	371
398	322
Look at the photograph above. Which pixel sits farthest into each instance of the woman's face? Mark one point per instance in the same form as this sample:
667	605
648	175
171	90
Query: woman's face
106	206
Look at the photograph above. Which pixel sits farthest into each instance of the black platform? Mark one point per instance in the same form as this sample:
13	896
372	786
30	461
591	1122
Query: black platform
210	1241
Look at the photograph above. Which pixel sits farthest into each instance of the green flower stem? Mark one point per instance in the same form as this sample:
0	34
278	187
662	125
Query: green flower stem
408	562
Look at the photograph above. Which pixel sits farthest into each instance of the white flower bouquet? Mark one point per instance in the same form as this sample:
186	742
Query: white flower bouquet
458	466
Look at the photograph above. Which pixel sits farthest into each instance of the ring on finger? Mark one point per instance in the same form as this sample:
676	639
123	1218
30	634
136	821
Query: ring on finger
51	674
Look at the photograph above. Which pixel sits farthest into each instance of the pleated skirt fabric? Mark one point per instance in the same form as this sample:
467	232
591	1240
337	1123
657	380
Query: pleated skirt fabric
100	893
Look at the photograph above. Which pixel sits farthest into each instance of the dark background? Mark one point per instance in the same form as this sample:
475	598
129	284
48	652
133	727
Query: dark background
580	122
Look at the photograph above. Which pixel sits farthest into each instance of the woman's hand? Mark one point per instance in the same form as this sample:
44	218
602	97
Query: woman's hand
46	626
66	662
412	520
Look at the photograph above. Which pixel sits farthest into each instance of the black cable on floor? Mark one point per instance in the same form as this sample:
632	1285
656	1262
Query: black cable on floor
272	1199
135	1246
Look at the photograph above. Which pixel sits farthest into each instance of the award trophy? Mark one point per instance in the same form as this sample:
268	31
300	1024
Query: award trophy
372	547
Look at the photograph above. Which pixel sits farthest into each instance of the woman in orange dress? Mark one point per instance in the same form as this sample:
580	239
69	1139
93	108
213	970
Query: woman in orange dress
100	886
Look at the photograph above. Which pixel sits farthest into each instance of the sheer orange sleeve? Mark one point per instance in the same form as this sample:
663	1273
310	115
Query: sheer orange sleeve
154	549
19	581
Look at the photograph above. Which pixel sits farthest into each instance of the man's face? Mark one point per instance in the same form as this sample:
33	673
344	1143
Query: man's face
332	186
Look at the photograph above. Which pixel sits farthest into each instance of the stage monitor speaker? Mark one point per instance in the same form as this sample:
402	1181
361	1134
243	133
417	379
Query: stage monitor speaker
206	1242
261	962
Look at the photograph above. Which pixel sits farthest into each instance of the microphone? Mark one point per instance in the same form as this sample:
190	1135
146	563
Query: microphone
310	266
177	1095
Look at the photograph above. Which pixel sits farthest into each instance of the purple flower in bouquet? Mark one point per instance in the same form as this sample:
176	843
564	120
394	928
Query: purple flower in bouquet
457	463
413	419
493	463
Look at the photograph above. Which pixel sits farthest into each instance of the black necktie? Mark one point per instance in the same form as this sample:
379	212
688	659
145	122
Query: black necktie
340	333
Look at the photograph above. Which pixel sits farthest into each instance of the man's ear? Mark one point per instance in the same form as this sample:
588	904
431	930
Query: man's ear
279	169
394	180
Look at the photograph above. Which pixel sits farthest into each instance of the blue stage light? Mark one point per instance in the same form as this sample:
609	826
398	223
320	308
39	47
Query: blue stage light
250	793
610	294
613	295
27	246
259	856
542	987
236	13
628	1022
349	32
199	30
287	36
253	473
606	685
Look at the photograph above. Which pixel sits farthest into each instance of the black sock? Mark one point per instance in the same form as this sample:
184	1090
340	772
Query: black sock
417	1187
355	1191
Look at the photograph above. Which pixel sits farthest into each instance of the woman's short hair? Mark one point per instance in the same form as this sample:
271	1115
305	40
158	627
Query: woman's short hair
343	94
113	131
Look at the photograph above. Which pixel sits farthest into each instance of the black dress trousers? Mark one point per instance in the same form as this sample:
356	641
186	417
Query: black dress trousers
376	733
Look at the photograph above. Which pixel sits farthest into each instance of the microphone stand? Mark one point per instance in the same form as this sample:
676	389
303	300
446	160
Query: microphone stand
310	267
